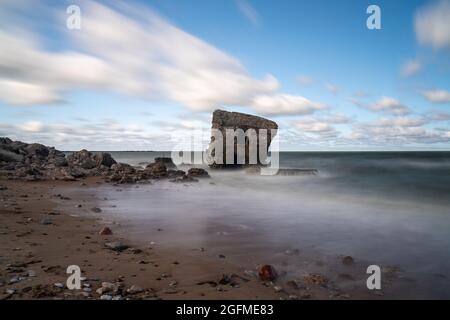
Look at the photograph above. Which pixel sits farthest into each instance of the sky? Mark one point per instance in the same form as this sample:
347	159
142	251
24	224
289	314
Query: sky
144	75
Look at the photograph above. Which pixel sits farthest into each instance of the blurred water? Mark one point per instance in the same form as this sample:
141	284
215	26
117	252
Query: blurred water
384	208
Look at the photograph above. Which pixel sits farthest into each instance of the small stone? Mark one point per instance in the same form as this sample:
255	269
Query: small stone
267	273
46	221
134	289
59	285
106	297
10	291
96	210
86	289
31	273
116	246
277	289
105	231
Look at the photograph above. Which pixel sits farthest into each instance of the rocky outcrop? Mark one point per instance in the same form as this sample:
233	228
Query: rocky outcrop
198	173
223	120
23	161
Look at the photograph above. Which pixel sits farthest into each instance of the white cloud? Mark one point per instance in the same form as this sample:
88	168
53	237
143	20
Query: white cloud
284	104
389	105
437	96
133	51
432	25
411	67
248	11
403	122
32	126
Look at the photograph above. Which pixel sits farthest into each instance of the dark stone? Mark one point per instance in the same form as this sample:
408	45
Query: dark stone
223	120
198	173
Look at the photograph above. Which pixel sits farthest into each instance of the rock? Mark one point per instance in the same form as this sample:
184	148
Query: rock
106	297
167	162
46	221
171	174
267	273
348	260
104	159
156	170
96	210
116	246
134	289
223	120
83	159
183	179
10	291
198	173
105	231
59	285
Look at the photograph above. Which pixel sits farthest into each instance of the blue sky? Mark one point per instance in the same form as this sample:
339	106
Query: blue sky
145	75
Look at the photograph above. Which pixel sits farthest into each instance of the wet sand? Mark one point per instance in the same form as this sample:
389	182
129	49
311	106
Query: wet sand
41	234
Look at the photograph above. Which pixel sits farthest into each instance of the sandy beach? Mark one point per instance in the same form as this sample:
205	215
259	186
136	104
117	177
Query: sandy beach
38	242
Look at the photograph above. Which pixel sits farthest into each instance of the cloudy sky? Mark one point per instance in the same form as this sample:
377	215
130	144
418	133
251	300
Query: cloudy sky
142	75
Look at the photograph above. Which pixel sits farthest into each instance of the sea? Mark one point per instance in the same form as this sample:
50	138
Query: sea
390	209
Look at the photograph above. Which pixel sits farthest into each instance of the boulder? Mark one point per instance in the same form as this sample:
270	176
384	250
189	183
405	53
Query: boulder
223	120
104	159
83	159
198	173
156	169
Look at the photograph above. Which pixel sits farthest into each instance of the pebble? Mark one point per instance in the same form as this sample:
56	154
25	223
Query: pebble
86	289
10	291
134	289
116	246
46	221
96	210
106	297
59	285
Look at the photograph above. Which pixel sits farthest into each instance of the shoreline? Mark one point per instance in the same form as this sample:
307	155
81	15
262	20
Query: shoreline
39	241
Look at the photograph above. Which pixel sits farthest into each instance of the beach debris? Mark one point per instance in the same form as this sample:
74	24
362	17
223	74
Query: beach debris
96	210
267	273
315	279
105	231
116	246
348	260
